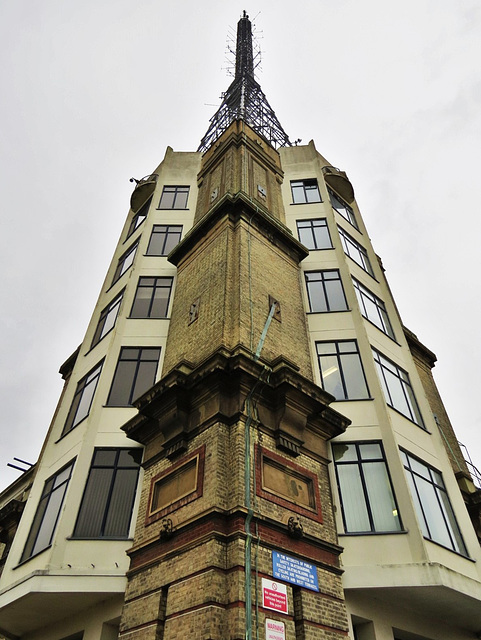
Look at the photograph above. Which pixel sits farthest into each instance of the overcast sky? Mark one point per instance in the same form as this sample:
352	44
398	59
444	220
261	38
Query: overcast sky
94	91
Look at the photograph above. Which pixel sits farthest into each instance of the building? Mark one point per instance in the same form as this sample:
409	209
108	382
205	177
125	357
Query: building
249	442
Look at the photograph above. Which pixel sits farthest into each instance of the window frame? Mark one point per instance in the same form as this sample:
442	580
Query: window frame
366	485
165	242
310	228
104	315
39	521
177	191
119	270
133	382
155	288
405	384
362	259
305	186
350	216
71	421
337	354
384	323
323	292
426	517
94	501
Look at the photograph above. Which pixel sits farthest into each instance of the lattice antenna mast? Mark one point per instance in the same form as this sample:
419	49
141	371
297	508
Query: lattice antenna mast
244	99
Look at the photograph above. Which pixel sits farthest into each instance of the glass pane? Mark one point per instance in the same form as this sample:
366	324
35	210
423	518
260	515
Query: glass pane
317	298
347	347
121	502
344	452
167	200
181	200
122	384
458	543
305	236
130	457
331	376
398	399
356	386
325	347
353	501
381	499
335	295
417	505
142	302
371	451
104	458
156	243
298	193
85	402
160	302
94	502
433	513
110	319
172	240
312	194
145	378
44	537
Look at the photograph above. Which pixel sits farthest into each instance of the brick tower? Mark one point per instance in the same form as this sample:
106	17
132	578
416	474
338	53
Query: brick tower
236	492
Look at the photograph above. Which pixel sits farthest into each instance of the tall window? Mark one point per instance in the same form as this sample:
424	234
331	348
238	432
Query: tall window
125	262
343	208
174	198
432	504
107	319
305	191
325	292
48	511
367	498
373	308
341	370
134	375
355	251
152	298
163	239
82	400
397	388
314	234
139	217
109	495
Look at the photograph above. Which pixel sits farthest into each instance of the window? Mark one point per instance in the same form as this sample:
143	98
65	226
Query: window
367	499
305	191
134	375
432	504
373	308
397	388
48	511
82	400
152	298
108	500
125	262
341	370
163	239
174	198
139	217
325	292
314	234
107	319
355	251
342	208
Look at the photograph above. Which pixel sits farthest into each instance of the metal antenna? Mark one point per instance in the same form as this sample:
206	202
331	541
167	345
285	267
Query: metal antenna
244	99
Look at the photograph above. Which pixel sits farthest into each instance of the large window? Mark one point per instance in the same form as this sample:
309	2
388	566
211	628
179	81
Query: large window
174	198
163	239
325	292
107	319
314	234
397	388
125	262
82	400
342	208
48	511
341	370
134	375
367	498
139	217
373	308
432	504
305	191
152	298
109	495
355	251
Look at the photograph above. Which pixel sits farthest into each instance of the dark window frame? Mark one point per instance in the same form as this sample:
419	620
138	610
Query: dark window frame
40	525
132	383
104	317
322	293
384	365
343	209
104	503
343	379
361	464
383	322
303	191
158	284
434	479
120	270
91	378
178	194
354	250
169	231
309	227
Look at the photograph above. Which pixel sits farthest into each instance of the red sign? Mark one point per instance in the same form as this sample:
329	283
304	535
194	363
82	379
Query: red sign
274	596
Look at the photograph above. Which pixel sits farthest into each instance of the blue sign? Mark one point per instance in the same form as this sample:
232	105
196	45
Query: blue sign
294	571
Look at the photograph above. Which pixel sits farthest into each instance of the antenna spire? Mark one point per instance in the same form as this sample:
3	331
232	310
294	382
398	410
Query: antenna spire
244	99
